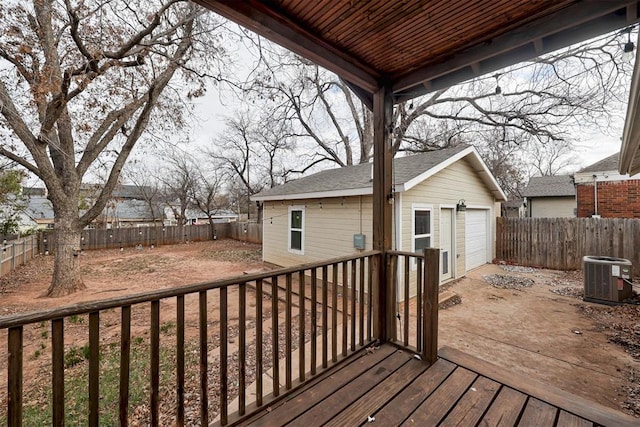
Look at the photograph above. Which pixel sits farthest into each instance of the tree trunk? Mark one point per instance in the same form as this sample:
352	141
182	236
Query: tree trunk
66	272
212	228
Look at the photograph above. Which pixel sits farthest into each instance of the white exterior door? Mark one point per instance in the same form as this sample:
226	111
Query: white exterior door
446	243
476	238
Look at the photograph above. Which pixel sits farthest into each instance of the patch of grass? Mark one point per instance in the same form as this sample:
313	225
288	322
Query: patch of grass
37	407
167	327
234	255
76	355
76	320
44	335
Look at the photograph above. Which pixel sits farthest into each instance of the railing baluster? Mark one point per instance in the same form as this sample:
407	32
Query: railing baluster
361	303
302	318
334	314
314	321
180	359
259	302
275	353
155	363
57	368
419	313
242	342
345	307
353	305
204	365
405	326
224	354
125	362
94	368
393	297
324	317
15	377
370	299
431	280
288	346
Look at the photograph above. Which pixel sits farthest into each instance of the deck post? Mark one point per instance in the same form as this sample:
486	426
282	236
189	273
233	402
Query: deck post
430	304
382	199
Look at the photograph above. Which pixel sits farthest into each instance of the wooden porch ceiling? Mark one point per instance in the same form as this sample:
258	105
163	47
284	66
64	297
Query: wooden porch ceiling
417	46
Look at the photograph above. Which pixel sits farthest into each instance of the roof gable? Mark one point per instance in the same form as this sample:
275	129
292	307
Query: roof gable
550	186
356	180
605	165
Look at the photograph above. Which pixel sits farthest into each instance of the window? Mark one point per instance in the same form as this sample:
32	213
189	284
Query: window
296	229
421	229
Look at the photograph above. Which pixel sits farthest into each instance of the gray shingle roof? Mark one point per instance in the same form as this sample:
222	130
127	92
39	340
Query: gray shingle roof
550	186
359	176
607	164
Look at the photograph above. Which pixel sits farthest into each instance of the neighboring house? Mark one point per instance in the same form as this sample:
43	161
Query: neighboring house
129	213
329	214
617	196
126	208
515	208
550	197
37	215
219	217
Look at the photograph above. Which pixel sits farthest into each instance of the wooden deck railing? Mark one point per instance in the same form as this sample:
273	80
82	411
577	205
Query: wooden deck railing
413	284
295	322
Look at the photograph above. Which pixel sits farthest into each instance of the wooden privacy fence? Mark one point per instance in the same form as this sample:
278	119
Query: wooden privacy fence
245	231
560	243
17	252
114	238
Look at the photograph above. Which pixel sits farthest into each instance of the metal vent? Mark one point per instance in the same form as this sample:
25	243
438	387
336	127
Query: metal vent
606	279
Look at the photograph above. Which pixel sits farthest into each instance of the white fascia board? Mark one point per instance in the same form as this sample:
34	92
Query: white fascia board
316	195
477	162
604	176
629	154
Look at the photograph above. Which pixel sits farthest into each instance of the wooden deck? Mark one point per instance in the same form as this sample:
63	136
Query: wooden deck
389	386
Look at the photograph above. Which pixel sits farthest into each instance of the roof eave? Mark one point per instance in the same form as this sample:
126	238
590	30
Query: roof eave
629	162
314	195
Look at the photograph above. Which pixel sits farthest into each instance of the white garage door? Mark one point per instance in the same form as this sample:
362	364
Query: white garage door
476	238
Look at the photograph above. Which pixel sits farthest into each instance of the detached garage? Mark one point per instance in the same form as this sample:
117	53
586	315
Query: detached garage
445	199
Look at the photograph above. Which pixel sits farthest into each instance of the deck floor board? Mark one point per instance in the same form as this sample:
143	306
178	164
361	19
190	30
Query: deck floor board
397	409
389	386
506	408
473	404
344	397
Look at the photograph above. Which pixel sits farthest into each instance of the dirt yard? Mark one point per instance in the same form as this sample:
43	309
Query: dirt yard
530	322
534	322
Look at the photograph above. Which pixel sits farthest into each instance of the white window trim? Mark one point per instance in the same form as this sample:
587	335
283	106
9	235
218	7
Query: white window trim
421	207
296	208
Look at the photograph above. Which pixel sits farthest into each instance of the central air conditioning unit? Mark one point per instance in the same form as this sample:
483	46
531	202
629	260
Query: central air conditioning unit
606	279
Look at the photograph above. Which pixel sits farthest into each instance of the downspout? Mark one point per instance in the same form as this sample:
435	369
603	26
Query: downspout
595	195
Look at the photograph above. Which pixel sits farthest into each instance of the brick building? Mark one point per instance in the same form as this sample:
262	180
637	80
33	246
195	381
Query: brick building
616	194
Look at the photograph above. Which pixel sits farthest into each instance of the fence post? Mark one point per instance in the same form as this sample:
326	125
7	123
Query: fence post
430	304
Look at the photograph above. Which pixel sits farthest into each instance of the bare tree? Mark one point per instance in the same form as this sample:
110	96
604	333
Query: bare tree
207	195
178	179
80	83
543	101
553	158
251	149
